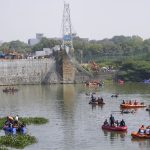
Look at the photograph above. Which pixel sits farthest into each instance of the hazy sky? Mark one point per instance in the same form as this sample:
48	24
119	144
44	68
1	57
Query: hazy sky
93	19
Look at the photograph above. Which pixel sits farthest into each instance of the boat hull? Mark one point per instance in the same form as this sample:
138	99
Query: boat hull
96	103
132	106
113	128
140	136
14	131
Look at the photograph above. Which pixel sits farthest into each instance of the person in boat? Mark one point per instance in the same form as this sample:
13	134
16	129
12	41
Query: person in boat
141	130
9	89
9	121
112	120
123	102
12	89
122	123
117	123
130	103
16	117
93	98
15	124
6	89
100	100
147	131
135	102
106	122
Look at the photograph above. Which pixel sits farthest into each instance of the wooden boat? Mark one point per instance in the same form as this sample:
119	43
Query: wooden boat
142	136
132	105
114	128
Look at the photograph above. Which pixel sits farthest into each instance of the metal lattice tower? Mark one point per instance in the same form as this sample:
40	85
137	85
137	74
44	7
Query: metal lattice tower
67	30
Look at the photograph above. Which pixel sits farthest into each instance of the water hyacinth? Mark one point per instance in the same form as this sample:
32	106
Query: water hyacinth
18	141
2	122
33	120
3	147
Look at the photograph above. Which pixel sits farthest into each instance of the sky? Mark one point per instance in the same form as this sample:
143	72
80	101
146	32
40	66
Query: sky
93	19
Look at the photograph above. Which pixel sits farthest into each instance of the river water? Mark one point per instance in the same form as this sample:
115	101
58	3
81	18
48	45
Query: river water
73	123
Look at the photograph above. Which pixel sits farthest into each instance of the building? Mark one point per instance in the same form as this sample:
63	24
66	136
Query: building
32	42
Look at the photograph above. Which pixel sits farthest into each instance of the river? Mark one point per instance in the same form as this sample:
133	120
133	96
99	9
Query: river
73	123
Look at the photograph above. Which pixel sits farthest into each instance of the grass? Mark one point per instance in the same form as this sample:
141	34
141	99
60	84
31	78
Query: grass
18	141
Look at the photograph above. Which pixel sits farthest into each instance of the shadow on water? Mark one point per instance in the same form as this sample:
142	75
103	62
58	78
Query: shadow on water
142	143
96	106
66	97
115	135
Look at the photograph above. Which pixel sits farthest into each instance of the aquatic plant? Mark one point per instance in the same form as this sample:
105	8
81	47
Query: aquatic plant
2	122
18	141
33	120
3	147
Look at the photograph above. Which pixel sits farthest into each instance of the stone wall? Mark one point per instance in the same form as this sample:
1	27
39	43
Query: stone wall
24	71
68	70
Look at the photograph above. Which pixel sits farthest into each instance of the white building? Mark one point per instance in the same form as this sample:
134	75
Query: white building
48	51
33	42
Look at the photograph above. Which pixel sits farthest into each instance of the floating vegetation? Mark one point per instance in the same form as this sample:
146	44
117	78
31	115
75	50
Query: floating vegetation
34	120
18	141
3	147
2	122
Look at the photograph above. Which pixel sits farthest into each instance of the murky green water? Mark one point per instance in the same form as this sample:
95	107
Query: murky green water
73	123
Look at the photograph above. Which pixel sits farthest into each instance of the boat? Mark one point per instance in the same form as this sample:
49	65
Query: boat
10	90
14	131
147	81
115	95
94	83
140	105
121	81
96	103
138	135
114	128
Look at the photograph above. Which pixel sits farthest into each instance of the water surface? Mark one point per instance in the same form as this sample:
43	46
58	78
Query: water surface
73	123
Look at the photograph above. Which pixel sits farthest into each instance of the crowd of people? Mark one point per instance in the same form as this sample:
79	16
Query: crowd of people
13	122
94	98
10	89
131	103
112	122
144	130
